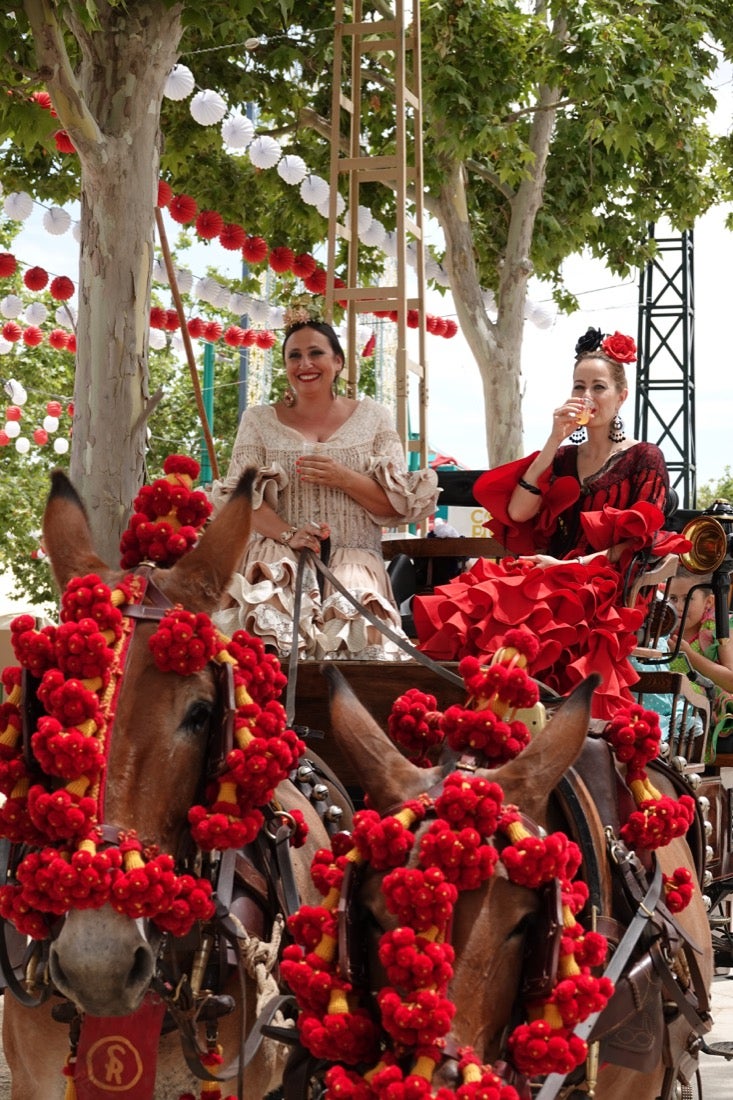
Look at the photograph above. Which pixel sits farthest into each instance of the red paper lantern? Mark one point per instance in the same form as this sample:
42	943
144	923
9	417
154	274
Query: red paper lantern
209	224
438	328
165	193
12	331
58	338
303	265
338	281
64	144
13	412
40	436
35	278
43	99
233	336
265	339
281	259
196	327
4	438
157	317
8	265
248	337
232	237
212	331
316	282
32	336
71	342
70	408
413	318
172	320
254	250
62	288
451	328
54	408
393	315
183	209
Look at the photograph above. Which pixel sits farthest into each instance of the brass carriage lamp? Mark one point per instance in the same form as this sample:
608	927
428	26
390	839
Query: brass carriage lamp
711	535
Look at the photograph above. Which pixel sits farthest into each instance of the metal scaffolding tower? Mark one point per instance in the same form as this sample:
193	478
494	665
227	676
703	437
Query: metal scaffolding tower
665	382
356	41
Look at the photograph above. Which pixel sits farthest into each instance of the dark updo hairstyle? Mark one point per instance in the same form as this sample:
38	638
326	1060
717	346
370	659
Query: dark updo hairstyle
589	347
318	326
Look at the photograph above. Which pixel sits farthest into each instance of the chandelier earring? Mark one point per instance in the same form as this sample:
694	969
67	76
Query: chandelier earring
579	435
616	433
289	398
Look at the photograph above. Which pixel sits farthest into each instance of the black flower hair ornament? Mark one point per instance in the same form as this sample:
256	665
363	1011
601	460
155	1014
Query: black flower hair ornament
589	341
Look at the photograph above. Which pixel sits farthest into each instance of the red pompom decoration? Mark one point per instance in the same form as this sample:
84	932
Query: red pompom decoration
58	338
64	144
303	265
316	281
12	331
32	336
209	224
232	237
233	336
212	331
157	317
265	339
184	642
450	329
8	265
281	259
165	193
254	250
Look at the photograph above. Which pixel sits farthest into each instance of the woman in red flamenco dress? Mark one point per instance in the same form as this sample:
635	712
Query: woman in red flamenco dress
574	513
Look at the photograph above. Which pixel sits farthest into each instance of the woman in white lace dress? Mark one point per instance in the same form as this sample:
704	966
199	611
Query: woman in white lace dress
328	467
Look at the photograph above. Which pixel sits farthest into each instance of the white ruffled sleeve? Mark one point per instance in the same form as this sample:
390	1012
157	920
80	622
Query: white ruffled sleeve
249	453
412	493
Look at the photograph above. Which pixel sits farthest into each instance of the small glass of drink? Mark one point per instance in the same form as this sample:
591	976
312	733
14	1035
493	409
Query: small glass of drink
586	412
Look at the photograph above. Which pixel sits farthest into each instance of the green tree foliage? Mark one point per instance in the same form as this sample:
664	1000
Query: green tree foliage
722	489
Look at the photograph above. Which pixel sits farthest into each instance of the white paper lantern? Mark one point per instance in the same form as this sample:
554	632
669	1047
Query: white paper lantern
389	245
442	277
324	207
15	391
156	339
207	290
179	83
259	311
11	306
543	316
207	108
411	255
18	206
61	446
237	131
177	343
22	445
489	301
160	275
375	235
36	313
314	190
184	278
239	304
292	169
56	221
65	316
76	232
12	429
276	318
51	423
265	152
5	346
432	267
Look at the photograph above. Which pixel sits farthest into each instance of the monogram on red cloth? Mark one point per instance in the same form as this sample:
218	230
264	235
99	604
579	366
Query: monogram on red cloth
117	1055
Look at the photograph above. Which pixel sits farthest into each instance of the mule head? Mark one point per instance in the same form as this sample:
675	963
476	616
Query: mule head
158	742
490	924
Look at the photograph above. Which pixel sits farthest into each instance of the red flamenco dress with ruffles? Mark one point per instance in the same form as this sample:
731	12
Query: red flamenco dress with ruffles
575	610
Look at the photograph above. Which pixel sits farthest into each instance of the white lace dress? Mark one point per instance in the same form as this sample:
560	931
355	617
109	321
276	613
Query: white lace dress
263	590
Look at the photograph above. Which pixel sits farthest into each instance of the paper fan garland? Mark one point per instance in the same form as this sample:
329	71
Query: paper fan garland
265	152
179	84
56	221
207	108
11	306
237	131
36	313
374	236
292	169
18	206
314	190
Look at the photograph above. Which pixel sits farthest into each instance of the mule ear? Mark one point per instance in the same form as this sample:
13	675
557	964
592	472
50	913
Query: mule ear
530	778
384	773
200	578
67	536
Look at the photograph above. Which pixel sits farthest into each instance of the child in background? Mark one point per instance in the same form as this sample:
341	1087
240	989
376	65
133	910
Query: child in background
705	653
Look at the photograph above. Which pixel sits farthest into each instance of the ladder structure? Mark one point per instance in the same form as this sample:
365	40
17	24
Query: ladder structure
665	378
357	42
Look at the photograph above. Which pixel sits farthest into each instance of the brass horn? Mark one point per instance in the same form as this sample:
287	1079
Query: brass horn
709	545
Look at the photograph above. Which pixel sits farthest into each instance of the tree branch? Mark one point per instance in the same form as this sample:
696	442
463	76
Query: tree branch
490	177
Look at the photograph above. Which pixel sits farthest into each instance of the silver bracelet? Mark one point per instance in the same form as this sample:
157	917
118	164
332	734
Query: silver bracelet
287	535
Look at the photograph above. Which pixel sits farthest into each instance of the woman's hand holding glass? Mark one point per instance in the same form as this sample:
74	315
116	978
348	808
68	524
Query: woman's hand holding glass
576	412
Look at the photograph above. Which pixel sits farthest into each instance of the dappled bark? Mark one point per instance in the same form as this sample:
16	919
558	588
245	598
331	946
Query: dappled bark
110	106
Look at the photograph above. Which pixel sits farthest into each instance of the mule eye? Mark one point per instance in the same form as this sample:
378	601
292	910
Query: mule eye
197	717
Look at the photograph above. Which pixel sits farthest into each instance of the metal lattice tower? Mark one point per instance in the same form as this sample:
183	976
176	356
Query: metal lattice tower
665	381
356	41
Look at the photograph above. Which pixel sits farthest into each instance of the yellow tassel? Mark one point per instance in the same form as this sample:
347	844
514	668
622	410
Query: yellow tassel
79	786
70	1093
93	685
326	948
15	696
133	860
471	1074
374	1071
406	817
227	793
643	790
242	697
552	1016
516	832
10	737
21	788
337	1004
424	1067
